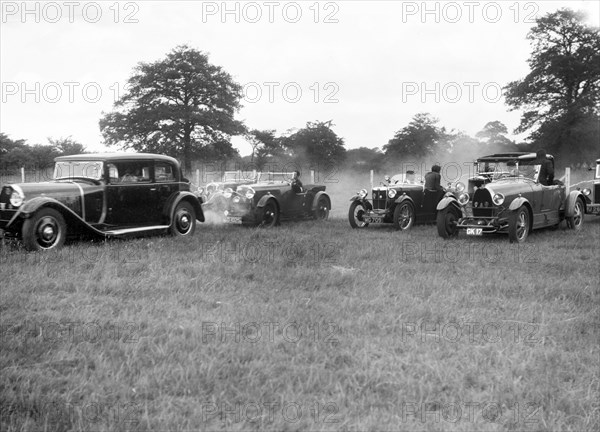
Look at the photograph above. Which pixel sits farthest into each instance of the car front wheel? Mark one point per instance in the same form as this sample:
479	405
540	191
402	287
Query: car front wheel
45	230
184	220
518	225
576	221
404	216
322	210
447	222
269	215
356	214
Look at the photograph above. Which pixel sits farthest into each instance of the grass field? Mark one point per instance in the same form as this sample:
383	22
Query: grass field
304	327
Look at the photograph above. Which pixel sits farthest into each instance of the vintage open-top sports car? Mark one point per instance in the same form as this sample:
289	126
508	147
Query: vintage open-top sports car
229	179
505	196
592	194
108	195
272	199
398	201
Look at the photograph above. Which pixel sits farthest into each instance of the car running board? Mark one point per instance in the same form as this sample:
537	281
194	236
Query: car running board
134	230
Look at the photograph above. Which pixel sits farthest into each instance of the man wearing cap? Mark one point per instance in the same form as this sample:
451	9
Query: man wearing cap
433	179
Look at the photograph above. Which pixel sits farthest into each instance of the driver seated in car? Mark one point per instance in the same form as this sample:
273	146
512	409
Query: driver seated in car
296	183
410	177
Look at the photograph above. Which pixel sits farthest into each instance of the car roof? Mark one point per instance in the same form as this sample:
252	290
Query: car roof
501	157
115	157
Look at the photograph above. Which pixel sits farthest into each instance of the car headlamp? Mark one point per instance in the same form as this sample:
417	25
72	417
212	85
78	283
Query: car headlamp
227	193
17	196
250	193
387	178
460	187
586	191
463	198
200	190
211	187
362	194
392	193
498	199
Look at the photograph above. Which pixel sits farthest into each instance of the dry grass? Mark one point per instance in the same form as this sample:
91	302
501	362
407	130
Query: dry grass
304	327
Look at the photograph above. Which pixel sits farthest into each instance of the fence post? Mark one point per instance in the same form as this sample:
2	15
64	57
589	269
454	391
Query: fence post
312	176
197	177
371	179
22	174
568	179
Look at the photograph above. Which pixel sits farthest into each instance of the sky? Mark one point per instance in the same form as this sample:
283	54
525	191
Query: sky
368	66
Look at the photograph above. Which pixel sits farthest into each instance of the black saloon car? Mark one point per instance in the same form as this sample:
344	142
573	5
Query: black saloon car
272	199
398	201
505	196
592	194
107	195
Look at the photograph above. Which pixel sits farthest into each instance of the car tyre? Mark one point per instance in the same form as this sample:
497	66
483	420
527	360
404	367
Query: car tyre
575	222
269	216
356	212
322	211
518	225
447	221
404	216
184	220
45	230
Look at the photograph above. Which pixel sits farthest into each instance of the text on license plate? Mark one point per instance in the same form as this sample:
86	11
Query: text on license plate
373	219
474	231
234	219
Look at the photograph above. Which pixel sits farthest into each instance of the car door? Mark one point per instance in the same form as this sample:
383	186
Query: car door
129	194
166	184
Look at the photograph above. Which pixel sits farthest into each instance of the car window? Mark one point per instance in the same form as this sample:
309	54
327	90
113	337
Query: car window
598	171
130	172
163	172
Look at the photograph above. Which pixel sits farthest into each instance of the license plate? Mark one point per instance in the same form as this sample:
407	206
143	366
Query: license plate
234	219
372	219
474	231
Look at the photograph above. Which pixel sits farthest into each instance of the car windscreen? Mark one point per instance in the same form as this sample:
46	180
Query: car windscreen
497	169
78	169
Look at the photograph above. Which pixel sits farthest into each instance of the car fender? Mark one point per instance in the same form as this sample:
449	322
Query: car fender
447	201
357	198
571	200
316	199
403	198
195	201
263	200
29	207
518	202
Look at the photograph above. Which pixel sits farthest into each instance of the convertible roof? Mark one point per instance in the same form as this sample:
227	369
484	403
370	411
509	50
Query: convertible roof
504	157
115	156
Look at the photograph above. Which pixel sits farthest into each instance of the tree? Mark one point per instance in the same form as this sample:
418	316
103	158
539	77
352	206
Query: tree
266	147
493	136
182	106
316	144
420	138
66	146
560	95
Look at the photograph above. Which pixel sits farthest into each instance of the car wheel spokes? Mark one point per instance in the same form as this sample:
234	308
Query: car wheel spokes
522	226
358	215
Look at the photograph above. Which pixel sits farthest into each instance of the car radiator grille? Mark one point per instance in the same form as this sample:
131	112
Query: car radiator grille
597	193
379	200
482	204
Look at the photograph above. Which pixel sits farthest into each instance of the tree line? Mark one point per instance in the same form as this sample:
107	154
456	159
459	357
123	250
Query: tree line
184	106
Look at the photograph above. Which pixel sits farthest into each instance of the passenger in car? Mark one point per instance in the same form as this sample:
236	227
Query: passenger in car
433	179
546	176
296	183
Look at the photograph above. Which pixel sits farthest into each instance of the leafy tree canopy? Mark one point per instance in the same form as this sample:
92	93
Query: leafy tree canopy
182	106
316	144
420	138
561	94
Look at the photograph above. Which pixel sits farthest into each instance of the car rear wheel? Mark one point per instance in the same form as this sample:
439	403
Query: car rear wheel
447	222
518	225
269	215
356	213
184	220
404	216
45	230
576	221
322	211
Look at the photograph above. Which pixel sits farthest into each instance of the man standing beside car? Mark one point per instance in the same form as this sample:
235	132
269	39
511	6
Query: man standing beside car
546	176
433	179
